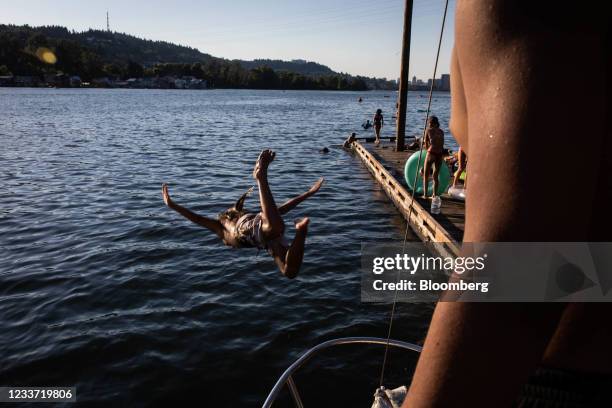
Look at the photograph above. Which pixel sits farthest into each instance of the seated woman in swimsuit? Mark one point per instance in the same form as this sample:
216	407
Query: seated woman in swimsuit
265	230
434	143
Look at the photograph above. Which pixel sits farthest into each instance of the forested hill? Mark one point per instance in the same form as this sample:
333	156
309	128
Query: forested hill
299	66
120	47
96	53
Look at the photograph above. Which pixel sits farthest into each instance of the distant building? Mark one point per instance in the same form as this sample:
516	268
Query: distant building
61	80
120	84
6	80
75	81
196	84
26	80
444	82
102	82
439	84
414	80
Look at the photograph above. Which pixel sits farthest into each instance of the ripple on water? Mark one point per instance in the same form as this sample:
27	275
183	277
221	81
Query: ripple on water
105	289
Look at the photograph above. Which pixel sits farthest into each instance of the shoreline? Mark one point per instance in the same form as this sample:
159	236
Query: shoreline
211	89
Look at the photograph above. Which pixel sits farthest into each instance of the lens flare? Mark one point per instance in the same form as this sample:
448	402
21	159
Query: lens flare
46	55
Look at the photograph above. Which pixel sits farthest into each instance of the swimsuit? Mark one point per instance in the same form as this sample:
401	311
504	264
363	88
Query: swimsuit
248	231
435	156
378	121
250	235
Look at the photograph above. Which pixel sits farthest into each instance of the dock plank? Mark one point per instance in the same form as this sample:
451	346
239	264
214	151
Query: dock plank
385	163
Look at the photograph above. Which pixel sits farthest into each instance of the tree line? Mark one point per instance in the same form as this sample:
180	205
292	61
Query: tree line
87	55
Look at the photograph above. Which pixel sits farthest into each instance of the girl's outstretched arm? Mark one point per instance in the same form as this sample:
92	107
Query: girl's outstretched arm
213	225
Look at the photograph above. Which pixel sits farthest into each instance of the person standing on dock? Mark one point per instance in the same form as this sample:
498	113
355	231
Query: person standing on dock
379	122
434	143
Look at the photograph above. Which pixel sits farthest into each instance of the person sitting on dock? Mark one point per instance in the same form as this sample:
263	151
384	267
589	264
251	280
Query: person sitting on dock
434	143
379	122
265	230
349	141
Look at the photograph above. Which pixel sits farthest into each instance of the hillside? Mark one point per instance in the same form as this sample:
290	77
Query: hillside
299	66
95	53
118	47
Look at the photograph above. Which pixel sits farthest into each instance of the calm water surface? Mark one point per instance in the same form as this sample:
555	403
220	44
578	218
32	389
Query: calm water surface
105	289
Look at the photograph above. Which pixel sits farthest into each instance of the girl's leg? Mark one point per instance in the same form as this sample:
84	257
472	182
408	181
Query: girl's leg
426	170
290	259
273	225
291	204
458	174
436	174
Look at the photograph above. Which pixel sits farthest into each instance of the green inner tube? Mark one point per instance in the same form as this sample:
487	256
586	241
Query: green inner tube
411	169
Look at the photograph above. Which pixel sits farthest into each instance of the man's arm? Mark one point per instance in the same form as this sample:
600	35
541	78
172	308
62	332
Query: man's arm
213	225
512	65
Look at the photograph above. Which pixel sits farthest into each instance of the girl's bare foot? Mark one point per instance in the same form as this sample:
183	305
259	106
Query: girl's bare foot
262	163
166	195
316	186
302	225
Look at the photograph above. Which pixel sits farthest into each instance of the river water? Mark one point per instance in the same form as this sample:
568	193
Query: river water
105	289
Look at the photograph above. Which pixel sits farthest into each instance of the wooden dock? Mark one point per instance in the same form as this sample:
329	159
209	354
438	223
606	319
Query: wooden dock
443	233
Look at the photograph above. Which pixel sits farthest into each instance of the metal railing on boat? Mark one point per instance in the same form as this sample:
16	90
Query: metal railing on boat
287	379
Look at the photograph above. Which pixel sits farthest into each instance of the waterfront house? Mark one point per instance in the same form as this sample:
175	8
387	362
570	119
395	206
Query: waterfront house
180	83
75	81
6	80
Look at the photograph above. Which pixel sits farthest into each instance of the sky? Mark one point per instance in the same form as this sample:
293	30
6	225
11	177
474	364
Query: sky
354	36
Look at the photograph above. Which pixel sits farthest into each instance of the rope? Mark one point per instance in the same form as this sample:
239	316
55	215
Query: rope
382	372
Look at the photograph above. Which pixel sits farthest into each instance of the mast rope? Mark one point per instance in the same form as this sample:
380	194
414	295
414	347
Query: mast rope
412	193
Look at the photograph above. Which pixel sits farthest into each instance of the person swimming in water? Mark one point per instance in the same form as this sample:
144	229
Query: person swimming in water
367	124
379	121
239	228
434	142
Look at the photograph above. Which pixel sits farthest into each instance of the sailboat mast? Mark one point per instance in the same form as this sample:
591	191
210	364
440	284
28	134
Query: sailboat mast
403	83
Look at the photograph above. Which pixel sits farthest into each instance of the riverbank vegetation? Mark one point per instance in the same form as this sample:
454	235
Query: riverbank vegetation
102	57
